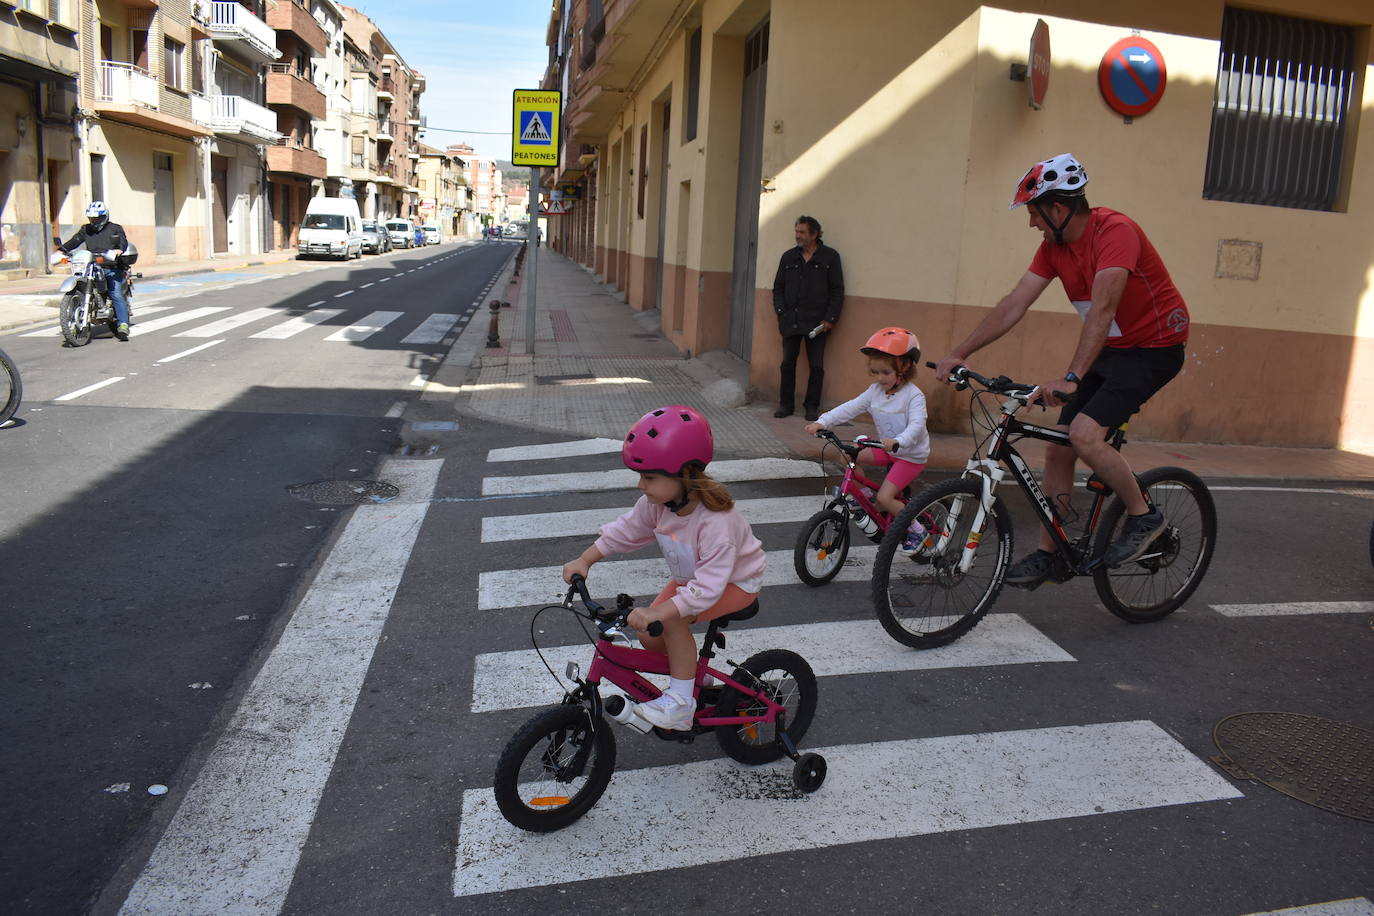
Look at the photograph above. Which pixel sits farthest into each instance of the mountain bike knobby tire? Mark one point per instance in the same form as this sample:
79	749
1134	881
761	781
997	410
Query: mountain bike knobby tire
791	683
76	332
821	547
11	388
535	788
1164	577
926	602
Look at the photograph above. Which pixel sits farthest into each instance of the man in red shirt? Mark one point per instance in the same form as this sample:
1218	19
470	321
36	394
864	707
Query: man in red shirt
1135	325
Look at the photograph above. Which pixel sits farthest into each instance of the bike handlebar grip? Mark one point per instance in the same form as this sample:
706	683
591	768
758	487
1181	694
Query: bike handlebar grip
930	365
656	628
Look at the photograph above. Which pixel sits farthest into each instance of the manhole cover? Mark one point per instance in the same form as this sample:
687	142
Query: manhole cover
344	492
1319	761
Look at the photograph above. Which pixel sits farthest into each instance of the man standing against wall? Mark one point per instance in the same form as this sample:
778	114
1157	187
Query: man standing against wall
808	293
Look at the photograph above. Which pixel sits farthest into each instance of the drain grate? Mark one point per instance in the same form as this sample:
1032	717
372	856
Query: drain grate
1322	762
344	492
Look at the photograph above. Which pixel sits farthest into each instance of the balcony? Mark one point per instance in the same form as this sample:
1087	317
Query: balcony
292	16
236	118
233	24
291	159
386	88
386	131
287	88
128	94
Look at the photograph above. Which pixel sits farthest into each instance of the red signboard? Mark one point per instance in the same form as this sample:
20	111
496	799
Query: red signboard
1039	66
1132	76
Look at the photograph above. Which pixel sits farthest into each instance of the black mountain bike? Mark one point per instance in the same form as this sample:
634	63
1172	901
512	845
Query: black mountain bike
932	596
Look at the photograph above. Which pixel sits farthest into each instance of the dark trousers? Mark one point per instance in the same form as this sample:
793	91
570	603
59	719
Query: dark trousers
815	358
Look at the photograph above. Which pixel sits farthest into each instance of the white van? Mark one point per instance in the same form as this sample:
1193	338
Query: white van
401	232
332	228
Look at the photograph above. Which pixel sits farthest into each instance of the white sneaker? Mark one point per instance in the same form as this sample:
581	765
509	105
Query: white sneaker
668	711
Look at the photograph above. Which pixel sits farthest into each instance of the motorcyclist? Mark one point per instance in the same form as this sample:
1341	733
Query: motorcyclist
101	236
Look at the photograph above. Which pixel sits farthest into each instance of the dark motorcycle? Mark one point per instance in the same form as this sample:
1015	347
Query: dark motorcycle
86	296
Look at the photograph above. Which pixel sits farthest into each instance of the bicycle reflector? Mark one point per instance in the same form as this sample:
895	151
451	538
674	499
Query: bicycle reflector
549	801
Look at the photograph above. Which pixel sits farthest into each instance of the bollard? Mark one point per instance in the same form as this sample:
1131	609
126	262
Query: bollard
494	330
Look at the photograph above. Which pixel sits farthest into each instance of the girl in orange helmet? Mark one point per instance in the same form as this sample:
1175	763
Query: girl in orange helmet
898	409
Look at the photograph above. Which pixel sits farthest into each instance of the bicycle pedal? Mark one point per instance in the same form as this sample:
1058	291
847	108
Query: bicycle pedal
677	736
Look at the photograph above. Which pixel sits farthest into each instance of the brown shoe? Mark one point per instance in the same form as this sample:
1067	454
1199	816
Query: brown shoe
812	414
782	412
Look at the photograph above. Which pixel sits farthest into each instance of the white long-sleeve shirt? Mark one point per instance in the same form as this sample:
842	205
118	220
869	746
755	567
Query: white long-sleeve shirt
900	416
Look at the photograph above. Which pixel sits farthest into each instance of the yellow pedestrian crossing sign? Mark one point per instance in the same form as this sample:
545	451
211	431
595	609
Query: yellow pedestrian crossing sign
534	138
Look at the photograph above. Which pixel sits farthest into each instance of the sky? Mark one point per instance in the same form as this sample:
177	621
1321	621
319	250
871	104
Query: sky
473	56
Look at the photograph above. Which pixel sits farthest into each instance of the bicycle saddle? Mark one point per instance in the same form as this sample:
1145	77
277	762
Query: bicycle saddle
743	613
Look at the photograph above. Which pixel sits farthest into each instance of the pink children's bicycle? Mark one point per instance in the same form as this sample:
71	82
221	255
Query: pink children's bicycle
823	543
558	765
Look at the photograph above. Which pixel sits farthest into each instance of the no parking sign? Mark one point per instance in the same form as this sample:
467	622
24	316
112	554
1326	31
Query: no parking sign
1132	76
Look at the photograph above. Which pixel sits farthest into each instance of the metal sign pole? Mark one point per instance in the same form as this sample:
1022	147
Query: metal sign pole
531	258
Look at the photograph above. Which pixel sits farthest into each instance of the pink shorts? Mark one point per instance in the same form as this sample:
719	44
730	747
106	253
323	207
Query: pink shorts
734	599
902	472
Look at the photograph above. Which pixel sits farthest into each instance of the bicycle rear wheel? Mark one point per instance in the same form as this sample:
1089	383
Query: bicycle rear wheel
923	600
11	388
1157	584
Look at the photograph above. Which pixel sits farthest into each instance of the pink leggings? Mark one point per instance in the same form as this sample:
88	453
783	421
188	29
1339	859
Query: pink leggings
734	599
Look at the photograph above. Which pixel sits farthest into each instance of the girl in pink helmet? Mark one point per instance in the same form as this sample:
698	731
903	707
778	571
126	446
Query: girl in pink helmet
715	564
898	409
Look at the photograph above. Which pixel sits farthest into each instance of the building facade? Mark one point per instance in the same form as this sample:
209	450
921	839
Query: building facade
40	199
295	168
698	135
443	198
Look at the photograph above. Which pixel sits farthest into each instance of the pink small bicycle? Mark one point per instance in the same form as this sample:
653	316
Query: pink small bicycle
558	765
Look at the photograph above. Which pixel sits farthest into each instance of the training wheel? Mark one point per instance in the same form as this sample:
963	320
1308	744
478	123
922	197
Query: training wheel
808	772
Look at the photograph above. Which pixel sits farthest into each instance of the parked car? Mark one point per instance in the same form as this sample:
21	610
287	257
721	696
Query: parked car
331	228
431	234
402	233
375	238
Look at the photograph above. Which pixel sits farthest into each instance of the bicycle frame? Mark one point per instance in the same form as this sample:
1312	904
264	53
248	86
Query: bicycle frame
851	485
622	665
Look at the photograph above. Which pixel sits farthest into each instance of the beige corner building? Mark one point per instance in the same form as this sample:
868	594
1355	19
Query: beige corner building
697	133
39	149
443	192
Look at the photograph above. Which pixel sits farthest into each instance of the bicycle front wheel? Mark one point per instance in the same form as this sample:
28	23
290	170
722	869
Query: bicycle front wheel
11	388
1157	584
554	769
821	547
923	599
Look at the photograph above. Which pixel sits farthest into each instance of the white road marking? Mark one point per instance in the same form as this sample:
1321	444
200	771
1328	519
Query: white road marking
365	328
296	325
511	680
509	588
314	304
419	381
1294	608
365	286
554	449
225	325
431	330
204	346
383	280
1351	906
139	311
167	321
875	791
396	410
347	292
775	510
731	471
89	388
235	840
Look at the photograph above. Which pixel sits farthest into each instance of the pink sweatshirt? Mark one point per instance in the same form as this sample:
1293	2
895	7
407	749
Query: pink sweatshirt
705	550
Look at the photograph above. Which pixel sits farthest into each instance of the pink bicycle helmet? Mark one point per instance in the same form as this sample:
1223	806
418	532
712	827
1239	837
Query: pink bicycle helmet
667	440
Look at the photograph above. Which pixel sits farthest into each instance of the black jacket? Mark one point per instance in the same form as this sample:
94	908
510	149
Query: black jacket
111	235
805	293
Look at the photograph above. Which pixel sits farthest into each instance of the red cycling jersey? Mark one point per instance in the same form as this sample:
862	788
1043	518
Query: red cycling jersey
1151	312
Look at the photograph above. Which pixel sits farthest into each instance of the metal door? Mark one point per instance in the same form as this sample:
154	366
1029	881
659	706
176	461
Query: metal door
219	183
662	207
747	191
164	204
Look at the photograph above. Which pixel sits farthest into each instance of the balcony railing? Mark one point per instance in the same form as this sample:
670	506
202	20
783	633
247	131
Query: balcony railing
233	114
125	84
231	21
386	130
386	88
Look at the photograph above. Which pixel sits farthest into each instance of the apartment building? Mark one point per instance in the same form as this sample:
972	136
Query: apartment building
40	195
698	133
443	193
484	180
334	133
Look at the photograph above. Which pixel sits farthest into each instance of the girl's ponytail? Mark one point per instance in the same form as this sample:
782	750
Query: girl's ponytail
711	492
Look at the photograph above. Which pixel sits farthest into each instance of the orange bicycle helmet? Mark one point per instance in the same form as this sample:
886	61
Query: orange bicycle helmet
894	342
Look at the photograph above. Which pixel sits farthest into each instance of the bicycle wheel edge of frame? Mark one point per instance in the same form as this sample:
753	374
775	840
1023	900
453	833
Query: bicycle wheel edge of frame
11	388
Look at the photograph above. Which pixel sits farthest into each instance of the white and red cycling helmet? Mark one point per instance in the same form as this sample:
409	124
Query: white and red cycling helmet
1062	175
668	440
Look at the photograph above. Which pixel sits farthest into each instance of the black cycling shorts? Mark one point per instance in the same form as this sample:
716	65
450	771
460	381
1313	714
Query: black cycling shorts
1120	381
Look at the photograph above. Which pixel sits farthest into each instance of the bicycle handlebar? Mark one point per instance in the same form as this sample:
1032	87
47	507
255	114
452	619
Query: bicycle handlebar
1000	385
623	605
859	444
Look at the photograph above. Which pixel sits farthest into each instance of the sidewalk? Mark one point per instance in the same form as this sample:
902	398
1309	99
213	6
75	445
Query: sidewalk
599	366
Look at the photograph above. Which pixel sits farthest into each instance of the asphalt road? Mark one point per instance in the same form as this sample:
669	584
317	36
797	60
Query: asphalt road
149	545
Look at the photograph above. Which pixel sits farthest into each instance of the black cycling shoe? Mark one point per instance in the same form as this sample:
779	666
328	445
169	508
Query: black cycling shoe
1031	570
1137	534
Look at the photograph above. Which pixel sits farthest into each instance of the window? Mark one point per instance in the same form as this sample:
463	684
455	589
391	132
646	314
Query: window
689	124
97	176
173	63
1281	113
